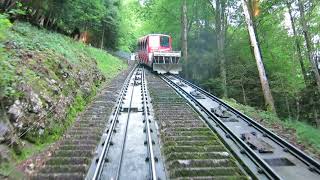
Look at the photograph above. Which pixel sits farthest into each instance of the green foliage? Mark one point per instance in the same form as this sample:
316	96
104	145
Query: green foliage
4	25
71	50
18	10
6	69
94	17
109	65
130	25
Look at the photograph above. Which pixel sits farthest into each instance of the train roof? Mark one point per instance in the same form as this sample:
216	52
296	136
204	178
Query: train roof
153	35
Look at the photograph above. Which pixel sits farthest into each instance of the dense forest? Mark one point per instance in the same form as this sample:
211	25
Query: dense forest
261	53
223	39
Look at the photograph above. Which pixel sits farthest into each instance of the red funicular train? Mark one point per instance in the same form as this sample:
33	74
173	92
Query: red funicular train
155	51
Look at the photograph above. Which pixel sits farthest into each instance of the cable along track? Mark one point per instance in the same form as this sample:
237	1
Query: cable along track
129	148
265	154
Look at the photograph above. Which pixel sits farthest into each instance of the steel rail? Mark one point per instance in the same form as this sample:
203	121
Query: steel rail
125	135
148	131
309	161
269	172
99	167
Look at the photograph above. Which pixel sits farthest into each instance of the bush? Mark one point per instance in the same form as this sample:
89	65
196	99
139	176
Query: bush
5	70
4	25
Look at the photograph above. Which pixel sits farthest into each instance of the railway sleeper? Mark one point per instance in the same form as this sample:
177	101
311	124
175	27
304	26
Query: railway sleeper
73	153
79	142
188	133
209	148
212	172
181	125
192	143
197	155
81	168
58	176
84	132
194	163
77	147
204	128
189	138
84	136
68	160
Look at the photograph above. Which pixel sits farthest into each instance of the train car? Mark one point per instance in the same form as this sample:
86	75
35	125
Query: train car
155	51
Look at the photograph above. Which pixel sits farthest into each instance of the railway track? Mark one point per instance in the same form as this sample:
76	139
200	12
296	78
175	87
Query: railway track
164	127
72	155
129	148
190	148
266	155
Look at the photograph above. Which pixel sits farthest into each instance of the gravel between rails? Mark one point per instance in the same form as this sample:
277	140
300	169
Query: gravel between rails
191	149
71	159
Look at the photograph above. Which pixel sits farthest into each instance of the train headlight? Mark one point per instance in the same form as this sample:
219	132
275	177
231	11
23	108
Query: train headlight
150	57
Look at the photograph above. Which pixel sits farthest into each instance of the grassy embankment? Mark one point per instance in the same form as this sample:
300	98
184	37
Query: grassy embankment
40	59
307	136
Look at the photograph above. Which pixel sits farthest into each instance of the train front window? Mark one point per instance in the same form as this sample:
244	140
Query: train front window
164	41
154	41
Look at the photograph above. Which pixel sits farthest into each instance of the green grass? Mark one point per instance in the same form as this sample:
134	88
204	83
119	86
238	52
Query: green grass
306	134
108	64
32	38
9	169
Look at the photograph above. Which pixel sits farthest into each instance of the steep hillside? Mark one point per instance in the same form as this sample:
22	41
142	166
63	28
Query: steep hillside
46	80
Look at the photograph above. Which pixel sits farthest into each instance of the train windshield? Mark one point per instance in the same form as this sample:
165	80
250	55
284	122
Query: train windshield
164	41
154	41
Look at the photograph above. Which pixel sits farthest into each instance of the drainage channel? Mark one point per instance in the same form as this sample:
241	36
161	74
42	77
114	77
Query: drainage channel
266	155
129	148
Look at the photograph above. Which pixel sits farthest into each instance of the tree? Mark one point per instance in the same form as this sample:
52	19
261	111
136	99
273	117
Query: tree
309	45
184	30
221	27
298	49
5	67
257	54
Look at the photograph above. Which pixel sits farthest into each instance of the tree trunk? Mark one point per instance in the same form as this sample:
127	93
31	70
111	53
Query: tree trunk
9	4
48	20
102	38
53	22
286	100
308	42
243	93
184	31
316	115
41	21
298	109
288	106
220	31
298	49
262	74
